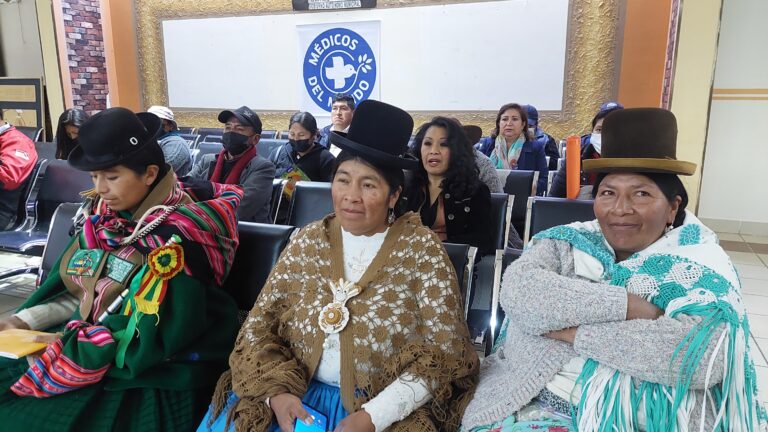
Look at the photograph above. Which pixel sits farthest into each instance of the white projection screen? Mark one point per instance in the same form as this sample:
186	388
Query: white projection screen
453	57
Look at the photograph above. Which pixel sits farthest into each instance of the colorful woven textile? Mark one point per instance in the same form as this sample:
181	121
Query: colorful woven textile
684	272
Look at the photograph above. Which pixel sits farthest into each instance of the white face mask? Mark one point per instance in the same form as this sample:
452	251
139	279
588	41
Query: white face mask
595	139
532	132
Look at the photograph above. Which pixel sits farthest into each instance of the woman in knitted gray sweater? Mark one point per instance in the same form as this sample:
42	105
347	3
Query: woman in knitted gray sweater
633	321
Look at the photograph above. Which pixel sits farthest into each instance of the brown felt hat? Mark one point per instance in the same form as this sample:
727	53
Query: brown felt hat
640	140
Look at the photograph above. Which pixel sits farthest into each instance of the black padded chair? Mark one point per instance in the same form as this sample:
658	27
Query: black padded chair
521	184
204	132
258	252
45	150
22	216
502	260
311	201
208	148
547	212
59	235
268	134
33	133
211	139
463	259
283	135
501	213
61	184
186	130
192	139
265	147
278	186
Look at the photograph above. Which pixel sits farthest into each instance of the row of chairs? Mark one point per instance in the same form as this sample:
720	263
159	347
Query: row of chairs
195	136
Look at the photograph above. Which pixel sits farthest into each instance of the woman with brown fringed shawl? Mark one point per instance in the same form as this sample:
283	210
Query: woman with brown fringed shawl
361	319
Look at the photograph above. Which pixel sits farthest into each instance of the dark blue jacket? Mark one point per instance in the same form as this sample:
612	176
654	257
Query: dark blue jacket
532	158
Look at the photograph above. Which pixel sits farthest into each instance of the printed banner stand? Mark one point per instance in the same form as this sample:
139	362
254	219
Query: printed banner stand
338	58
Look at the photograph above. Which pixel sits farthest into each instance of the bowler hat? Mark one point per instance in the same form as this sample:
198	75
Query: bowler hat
379	133
639	140
112	136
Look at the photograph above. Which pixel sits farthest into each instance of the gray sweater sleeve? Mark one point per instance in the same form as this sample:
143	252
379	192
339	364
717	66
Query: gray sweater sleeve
644	349
541	293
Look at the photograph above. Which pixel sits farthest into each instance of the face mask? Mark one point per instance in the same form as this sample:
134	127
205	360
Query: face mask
596	140
300	145
532	131
234	143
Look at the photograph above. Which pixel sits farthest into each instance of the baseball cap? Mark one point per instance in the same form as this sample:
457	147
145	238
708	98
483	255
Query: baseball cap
245	115
533	115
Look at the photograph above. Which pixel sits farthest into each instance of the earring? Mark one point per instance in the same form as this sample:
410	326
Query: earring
391	216
668	229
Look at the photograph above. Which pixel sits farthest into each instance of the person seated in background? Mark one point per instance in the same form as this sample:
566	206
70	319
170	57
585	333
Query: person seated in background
361	318
342	111
17	160
175	148
302	158
630	322
549	142
445	189
137	294
66	131
510	147
486	169
590	149
238	164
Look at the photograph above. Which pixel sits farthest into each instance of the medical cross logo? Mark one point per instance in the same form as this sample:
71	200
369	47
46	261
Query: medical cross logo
339	61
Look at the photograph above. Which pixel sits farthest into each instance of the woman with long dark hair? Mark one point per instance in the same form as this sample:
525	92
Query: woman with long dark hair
446	189
67	131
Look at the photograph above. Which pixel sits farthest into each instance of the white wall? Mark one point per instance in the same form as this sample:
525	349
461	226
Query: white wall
464	57
21	50
735	174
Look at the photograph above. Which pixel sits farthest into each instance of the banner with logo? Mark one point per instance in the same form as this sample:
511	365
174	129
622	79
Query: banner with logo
338	58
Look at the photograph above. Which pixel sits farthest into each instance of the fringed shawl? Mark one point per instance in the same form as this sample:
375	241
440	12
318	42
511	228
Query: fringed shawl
684	272
407	319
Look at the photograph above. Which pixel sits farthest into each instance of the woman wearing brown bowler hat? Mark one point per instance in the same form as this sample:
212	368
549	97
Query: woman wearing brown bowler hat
633	321
361	319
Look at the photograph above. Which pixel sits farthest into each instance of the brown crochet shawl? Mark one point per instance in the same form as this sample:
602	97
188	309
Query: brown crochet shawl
408	318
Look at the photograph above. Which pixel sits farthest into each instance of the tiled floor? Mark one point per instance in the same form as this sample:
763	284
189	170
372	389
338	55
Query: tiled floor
749	255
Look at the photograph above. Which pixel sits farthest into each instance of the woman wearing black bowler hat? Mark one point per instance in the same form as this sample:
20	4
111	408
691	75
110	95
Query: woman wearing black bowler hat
361	319
145	328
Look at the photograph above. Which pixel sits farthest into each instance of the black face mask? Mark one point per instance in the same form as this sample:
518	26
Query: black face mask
300	145
234	143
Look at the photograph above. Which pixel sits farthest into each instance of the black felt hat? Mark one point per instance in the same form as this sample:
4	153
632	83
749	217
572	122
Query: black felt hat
640	140
112	136
379	133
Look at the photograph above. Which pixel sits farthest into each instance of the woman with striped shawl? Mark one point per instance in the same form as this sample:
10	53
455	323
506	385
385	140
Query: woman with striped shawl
145	327
633	321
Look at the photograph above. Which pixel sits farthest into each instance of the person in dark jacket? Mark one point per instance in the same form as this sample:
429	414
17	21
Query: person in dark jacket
67	131
591	147
342	111
510	146
445	191
238	164
538	134
302	158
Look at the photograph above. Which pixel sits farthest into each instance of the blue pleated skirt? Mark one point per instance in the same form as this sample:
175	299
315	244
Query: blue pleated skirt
324	398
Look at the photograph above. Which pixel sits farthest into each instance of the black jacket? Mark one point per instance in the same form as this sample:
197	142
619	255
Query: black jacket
467	219
317	164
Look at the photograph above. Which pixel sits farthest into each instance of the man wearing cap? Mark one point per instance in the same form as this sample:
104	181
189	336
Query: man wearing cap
17	159
591	148
549	143
175	148
239	164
